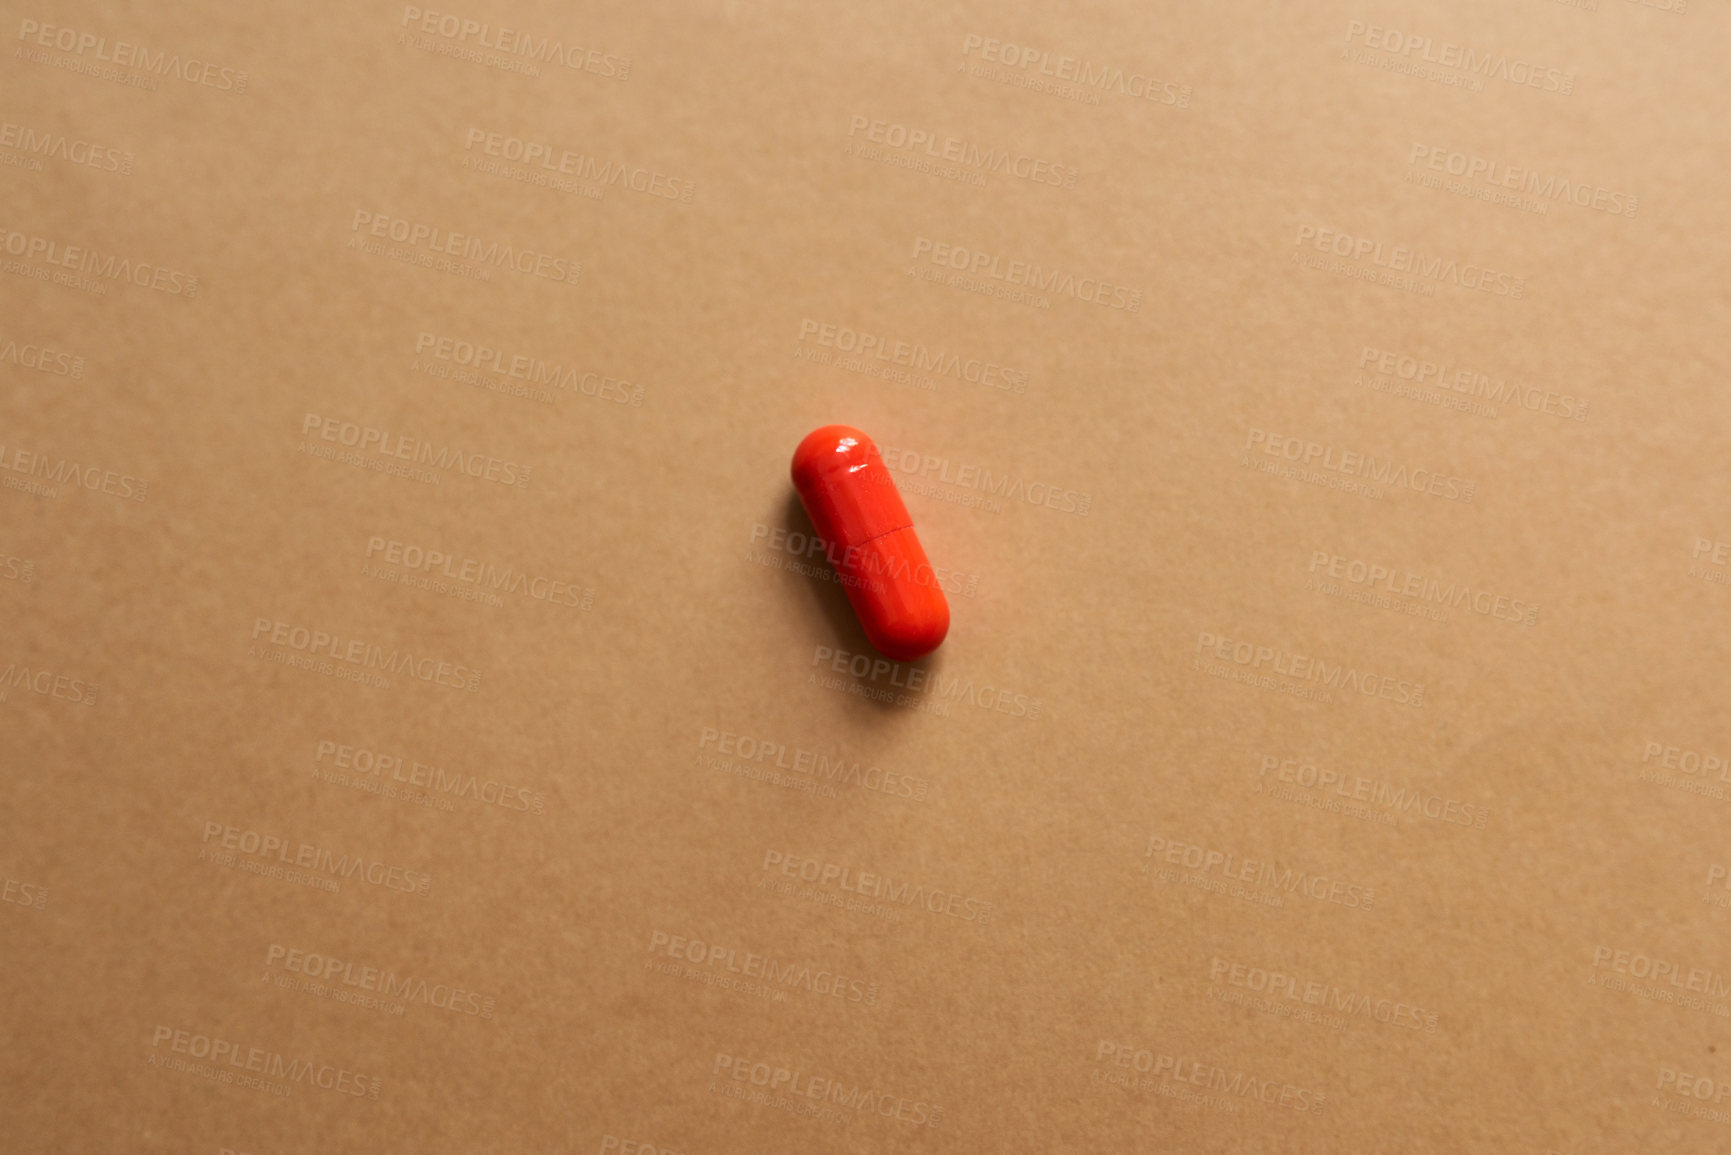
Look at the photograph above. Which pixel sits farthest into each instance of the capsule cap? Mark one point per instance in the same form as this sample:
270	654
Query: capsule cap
846	488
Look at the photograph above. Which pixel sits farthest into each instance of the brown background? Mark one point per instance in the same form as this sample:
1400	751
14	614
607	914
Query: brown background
1070	720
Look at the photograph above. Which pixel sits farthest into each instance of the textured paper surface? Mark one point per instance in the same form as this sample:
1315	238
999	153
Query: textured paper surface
428	725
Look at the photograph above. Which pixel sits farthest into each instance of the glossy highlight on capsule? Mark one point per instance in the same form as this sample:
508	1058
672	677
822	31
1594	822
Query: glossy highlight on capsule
854	506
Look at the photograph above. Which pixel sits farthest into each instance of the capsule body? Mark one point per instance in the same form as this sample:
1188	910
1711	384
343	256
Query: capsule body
852	501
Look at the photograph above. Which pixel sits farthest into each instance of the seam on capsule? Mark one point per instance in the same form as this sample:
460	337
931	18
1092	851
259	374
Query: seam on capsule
824	482
885	533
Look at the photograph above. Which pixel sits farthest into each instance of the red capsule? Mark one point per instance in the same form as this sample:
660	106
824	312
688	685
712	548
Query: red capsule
852	501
